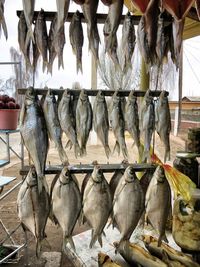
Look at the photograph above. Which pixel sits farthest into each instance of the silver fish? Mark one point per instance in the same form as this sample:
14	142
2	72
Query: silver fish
89	9
67	121
33	130
62	11
118	124
77	39
157	212
51	38
128	204
162	39
41	37
59	43
147	119
142	42
22	32
2	20
128	41
28	7
163	122
97	204
135	254
100	121
110	29
132	120
53	125
83	120
66	204
33	208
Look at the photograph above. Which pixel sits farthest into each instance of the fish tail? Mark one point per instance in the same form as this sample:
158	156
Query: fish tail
29	37
79	65
77	150
45	66
107	151
50	68
140	150
60	62
4	27
117	148
66	240
42	182
162	237
83	151
38	248
124	152
69	144
95	237
63	156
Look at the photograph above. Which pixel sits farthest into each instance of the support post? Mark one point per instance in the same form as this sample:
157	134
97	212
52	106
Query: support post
144	77
180	89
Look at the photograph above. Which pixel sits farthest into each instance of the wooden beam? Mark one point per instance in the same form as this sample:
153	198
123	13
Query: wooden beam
88	168
92	92
192	14
49	16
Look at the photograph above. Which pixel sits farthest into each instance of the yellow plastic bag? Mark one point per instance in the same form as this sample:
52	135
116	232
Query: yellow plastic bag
179	182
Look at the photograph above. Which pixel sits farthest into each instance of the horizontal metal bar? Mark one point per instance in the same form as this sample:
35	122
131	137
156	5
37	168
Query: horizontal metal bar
49	16
9	191
15	251
92	92
16	154
88	168
10	63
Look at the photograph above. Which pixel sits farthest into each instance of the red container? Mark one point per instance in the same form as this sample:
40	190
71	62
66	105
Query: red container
9	119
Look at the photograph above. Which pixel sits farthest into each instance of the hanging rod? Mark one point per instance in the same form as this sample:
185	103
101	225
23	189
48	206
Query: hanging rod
49	16
92	92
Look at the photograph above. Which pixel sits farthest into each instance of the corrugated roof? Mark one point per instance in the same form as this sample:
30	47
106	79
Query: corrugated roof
191	29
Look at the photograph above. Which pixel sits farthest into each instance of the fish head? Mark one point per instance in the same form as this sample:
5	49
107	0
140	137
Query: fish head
97	174
31	178
50	97
100	96
77	15
127	21
83	95
129	174
65	176
30	96
132	98
66	95
163	98
160	174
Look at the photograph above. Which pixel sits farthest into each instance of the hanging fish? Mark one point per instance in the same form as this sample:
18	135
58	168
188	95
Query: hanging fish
118	125
89	9
157	212
97	204
22	33
163	122
67	121
2	20
66	204
59	43
100	121
33	208
36	54
51	38
83	120
128	41
197	5
33	130
128	204
53	125
147	120
132	120
76	39
162	40
41	37
110	29
28	7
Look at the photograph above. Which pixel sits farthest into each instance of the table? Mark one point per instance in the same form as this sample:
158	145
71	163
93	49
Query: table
9	148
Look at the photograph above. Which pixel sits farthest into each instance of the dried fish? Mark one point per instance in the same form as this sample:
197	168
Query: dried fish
67	121
33	208
51	38
77	39
33	130
41	37
118	125
83	120
100	121
62	11
28	7
54	129
105	261
59	43
89	9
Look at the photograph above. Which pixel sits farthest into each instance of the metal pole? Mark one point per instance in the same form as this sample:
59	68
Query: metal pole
180	89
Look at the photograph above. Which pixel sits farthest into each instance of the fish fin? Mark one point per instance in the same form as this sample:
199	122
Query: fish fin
38	248
68	239
45	66
29	36
42	182
100	240
124	152
117	148
107	151
77	150
69	144
93	239
79	66
60	62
